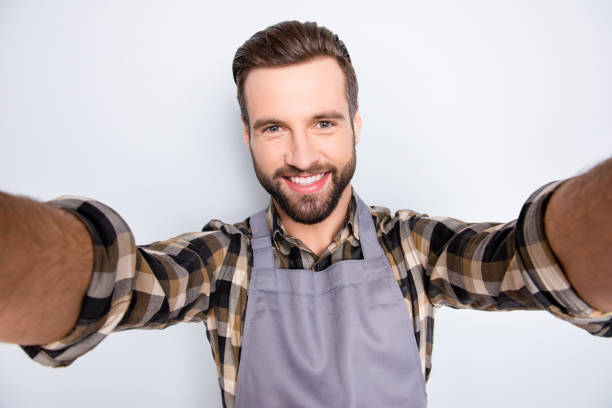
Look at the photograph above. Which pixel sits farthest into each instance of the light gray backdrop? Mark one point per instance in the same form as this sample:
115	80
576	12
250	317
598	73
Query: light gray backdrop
468	107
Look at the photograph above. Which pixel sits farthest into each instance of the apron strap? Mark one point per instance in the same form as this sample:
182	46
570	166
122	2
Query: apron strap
367	232
261	243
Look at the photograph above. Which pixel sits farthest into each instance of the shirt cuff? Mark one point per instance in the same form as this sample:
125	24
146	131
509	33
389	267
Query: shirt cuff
543	274
109	292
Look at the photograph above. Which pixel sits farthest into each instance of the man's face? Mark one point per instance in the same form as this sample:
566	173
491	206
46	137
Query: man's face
301	137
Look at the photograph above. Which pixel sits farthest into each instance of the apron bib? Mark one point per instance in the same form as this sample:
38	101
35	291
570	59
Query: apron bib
341	337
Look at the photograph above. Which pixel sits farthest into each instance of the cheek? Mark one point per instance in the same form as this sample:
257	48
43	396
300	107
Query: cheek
268	158
340	151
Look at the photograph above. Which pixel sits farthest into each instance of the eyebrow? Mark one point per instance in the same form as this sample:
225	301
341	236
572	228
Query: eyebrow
329	115
332	114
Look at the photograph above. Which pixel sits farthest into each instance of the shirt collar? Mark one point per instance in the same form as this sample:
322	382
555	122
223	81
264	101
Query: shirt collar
285	242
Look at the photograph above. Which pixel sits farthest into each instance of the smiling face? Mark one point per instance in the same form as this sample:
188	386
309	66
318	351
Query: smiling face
301	137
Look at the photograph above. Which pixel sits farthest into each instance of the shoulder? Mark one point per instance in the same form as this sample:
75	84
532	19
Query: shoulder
241	228
228	234
385	221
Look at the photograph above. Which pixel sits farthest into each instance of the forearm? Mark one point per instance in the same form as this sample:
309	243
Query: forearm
578	223
46	260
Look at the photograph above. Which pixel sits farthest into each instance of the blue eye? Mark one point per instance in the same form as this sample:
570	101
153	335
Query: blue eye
273	128
324	124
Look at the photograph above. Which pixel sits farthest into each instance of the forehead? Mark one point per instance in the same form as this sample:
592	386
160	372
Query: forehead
296	91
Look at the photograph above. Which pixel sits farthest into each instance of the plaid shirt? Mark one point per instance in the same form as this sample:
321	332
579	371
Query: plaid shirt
204	276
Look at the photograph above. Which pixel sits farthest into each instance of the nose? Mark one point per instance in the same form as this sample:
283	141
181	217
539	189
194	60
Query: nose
302	153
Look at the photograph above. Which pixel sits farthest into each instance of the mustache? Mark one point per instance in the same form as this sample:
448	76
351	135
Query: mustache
291	171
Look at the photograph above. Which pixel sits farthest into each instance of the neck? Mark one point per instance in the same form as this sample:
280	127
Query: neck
317	237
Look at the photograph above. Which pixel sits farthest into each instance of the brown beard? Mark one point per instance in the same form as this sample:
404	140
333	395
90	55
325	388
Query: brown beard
309	209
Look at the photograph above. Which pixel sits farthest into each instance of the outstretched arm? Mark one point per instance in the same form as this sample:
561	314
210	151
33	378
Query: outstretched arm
71	274
578	223
46	262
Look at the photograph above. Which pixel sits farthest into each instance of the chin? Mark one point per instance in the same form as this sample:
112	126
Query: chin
310	208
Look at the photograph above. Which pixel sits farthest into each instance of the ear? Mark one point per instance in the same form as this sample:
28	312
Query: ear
357	124
245	135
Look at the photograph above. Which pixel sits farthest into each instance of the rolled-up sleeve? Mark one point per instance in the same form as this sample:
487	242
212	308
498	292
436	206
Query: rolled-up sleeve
543	275
108	295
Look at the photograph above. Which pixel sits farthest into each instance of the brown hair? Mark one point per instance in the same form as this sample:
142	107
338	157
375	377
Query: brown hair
287	43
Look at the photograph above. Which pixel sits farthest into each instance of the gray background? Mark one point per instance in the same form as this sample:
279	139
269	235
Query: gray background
468	107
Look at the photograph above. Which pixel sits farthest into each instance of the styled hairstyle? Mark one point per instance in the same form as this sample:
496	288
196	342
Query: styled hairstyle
287	43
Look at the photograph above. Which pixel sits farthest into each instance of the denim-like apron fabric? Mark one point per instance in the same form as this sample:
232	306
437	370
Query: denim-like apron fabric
341	337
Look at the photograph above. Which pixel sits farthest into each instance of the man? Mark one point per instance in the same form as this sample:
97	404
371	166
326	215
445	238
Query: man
318	321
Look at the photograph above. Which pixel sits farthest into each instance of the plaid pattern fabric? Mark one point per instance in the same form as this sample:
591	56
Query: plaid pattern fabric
204	276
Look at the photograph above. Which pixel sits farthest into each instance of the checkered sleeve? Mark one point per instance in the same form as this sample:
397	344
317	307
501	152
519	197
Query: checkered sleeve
149	286
491	266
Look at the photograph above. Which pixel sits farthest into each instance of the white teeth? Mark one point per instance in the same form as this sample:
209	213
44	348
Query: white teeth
304	181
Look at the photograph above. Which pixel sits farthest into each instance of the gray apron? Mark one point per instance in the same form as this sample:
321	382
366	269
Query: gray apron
341	337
